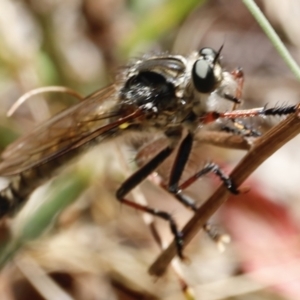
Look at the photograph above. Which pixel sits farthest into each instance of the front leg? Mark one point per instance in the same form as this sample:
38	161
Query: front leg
178	167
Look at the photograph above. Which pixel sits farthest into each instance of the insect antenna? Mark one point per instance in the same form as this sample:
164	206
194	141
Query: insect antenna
218	54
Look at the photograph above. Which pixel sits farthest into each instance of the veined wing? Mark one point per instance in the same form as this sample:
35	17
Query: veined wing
67	130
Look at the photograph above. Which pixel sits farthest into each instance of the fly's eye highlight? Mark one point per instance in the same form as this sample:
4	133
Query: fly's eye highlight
207	71
208	54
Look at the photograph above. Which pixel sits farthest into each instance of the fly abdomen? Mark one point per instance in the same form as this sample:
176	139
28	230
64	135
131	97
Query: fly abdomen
18	190
22	185
9	200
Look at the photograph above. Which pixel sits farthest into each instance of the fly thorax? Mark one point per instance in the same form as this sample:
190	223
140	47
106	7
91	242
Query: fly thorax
151	92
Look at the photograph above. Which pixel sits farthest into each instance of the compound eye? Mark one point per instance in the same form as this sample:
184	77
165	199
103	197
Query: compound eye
208	54
203	76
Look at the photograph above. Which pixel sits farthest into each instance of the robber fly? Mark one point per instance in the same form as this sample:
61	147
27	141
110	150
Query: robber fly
161	93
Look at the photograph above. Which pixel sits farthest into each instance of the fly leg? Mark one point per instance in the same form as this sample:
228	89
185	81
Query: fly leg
239	128
174	188
136	178
211	167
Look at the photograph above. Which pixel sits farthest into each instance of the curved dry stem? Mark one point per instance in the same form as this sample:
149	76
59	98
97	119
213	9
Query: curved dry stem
262	148
42	90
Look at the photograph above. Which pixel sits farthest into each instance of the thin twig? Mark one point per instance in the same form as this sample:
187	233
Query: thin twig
42	90
40	280
263	148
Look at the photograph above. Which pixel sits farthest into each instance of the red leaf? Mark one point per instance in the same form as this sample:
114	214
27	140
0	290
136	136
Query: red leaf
267	240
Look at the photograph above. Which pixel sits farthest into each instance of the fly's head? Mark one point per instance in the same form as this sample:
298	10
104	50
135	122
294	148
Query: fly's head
207	73
205	76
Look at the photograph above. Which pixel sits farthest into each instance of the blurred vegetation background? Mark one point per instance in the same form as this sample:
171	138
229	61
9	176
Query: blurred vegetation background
96	249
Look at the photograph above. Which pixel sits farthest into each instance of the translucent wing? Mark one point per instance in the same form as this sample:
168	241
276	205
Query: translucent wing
67	130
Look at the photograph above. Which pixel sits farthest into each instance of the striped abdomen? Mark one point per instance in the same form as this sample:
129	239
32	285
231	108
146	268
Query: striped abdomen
24	183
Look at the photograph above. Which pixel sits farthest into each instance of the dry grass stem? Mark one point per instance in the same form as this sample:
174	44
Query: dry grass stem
262	148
